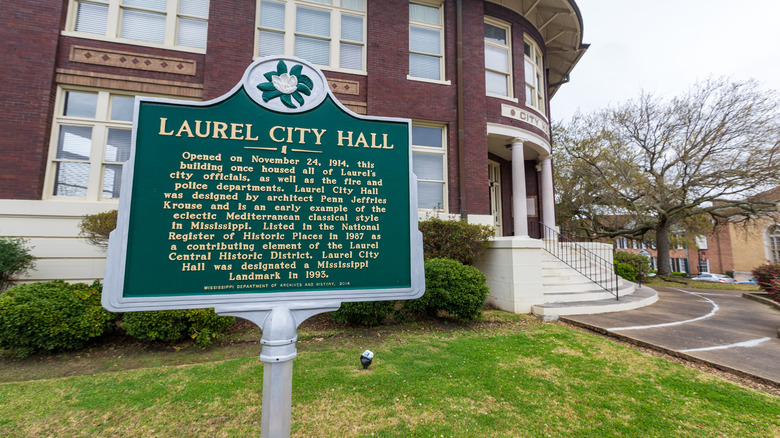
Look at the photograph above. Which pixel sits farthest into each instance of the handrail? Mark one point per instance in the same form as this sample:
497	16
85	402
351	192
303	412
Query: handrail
593	266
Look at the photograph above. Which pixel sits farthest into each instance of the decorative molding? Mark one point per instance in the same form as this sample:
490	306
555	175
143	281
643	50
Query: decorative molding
128	83
344	87
136	61
525	116
356	107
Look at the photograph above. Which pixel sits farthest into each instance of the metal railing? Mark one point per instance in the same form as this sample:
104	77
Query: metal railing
594	266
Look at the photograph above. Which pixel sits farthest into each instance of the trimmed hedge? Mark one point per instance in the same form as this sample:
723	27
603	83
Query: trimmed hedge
171	326
368	313
453	287
456	240
15	259
625	271
51	316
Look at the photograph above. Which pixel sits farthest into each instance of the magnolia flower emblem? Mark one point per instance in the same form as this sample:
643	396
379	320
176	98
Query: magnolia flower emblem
286	86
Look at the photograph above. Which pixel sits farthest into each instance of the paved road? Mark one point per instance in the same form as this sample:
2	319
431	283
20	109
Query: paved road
717	327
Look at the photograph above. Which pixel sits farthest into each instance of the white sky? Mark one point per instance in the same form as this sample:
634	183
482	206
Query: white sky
664	46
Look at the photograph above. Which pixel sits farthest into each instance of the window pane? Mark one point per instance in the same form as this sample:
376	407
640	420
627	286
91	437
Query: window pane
355	5
424	66
194	8
428	166
157	5
496	83
424	40
352	28
272	15
495	34
430	195
118	145
529	96
313	22
144	26
75	142
313	50
92	18
192	33
79	104
322	2
527	49
426	136
70	179
122	108
529	73
270	43
351	56
424	13
496	59
112	180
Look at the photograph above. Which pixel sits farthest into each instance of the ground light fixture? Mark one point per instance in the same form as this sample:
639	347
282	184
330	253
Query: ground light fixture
366	358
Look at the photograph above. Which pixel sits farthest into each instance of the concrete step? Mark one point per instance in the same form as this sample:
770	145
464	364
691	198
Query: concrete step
583	292
641	297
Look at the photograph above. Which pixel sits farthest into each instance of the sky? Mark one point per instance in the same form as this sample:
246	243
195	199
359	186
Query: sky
665	46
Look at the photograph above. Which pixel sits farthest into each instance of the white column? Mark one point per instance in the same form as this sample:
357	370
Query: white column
548	197
520	209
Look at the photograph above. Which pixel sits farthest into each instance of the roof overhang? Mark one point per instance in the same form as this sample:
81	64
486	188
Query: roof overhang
560	24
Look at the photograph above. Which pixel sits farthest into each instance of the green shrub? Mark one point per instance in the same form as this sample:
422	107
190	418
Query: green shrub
774	289
456	240
453	287
369	313
765	274
170	326
15	259
51	316
625	271
641	264
96	228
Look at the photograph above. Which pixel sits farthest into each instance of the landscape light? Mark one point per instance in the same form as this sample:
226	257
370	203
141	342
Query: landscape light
366	358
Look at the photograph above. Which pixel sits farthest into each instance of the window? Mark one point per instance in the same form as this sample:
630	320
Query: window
328	33
429	157
169	23
534	76
426	42
498	59
91	141
774	243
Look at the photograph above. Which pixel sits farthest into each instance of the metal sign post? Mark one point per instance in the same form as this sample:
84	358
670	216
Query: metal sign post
272	203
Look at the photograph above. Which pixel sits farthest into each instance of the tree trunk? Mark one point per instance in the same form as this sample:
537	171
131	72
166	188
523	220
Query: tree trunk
662	247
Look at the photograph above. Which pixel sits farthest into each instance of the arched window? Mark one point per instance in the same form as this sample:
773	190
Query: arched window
774	242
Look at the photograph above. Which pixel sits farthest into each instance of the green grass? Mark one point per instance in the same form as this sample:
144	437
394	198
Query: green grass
687	282
506	376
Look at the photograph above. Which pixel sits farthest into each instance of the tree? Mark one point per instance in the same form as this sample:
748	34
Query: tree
652	166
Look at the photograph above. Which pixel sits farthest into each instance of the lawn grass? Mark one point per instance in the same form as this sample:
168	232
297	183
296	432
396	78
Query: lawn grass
687	282
505	376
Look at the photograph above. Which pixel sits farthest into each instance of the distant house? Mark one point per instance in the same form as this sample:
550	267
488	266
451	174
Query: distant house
741	248
681	258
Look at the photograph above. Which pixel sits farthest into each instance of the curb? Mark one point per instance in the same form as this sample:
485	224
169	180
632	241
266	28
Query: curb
762	298
673	353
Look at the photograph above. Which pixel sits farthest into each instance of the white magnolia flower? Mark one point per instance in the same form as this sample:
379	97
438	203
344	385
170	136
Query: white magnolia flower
285	83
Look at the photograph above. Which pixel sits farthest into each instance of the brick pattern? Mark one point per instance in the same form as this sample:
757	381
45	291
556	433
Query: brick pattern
136	61
128	83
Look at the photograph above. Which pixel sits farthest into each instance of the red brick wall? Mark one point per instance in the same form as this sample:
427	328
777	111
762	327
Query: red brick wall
29	31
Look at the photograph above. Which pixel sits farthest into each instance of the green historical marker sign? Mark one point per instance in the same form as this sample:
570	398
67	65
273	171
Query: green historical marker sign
272	194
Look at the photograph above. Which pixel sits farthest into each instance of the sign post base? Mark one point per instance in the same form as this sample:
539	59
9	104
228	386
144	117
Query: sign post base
280	333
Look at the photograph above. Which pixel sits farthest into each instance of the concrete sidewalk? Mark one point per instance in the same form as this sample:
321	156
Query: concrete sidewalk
716	327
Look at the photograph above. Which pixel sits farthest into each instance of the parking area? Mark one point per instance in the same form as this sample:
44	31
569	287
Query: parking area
718	327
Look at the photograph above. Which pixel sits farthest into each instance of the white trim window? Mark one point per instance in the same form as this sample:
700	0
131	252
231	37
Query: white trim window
328	33
534	76
90	142
773	239
177	24
498	58
426	41
429	162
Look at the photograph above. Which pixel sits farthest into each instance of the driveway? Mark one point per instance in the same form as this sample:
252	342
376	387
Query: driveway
717	327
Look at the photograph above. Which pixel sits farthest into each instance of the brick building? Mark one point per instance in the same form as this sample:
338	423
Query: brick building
475	77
